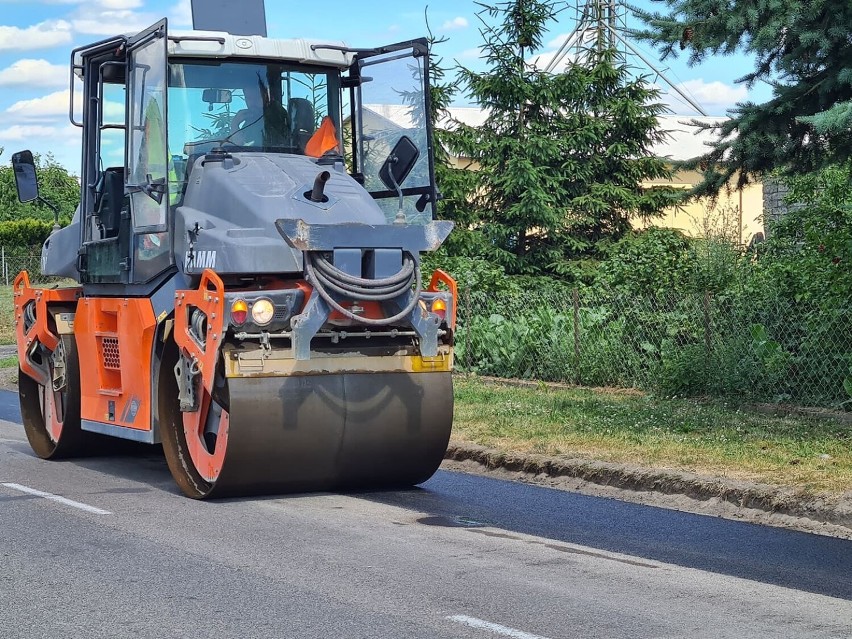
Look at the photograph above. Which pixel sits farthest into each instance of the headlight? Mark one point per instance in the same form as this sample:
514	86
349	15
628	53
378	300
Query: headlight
262	312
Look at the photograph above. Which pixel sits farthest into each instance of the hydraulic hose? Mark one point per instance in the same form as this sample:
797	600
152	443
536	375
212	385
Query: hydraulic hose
325	277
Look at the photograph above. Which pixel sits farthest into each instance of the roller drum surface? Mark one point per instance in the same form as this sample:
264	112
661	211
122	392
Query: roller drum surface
321	432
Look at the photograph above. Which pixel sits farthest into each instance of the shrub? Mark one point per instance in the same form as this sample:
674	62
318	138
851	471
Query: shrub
24	234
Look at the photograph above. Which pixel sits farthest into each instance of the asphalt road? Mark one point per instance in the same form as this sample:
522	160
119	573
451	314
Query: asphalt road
463	556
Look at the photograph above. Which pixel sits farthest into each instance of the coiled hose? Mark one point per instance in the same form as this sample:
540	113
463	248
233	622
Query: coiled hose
325	277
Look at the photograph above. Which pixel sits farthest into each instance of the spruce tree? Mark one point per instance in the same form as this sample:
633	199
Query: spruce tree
561	157
802	49
455	184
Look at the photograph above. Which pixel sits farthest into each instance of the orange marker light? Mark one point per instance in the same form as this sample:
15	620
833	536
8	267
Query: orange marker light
239	312
439	308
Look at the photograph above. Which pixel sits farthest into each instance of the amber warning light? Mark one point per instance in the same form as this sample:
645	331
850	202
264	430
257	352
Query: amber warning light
439	308
239	312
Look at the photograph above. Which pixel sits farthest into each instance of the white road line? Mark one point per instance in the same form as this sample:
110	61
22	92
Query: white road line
57	498
496	628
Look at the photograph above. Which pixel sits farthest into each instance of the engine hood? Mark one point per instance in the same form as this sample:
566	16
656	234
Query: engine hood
227	218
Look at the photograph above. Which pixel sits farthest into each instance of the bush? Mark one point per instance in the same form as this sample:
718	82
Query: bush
650	262
27	234
470	273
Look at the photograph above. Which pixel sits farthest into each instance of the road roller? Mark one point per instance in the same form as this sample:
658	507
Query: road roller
241	281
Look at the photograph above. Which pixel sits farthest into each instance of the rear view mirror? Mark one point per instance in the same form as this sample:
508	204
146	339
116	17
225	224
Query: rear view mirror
216	96
26	182
399	163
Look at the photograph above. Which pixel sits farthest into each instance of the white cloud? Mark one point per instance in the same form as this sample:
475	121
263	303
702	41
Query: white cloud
38	73
60	140
106	4
471	54
55	105
713	94
41	1
120	4
51	33
180	14
107	23
47	106
714	98
26	132
558	41
458	22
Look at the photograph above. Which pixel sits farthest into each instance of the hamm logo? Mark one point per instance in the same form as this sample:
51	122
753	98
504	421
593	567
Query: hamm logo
199	260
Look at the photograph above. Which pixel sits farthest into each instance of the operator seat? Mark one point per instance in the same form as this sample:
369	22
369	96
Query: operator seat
111	201
302	121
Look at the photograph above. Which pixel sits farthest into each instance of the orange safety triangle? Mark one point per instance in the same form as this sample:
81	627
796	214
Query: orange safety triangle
324	140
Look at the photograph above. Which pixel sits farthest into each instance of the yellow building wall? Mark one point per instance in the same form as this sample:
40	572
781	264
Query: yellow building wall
736	215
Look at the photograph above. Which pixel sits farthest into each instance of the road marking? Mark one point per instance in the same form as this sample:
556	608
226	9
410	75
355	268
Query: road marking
496	628
57	498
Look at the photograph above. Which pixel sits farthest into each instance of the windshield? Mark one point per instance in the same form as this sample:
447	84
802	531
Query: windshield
249	106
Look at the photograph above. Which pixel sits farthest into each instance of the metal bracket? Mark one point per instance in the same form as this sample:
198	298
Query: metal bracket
41	369
264	343
187	374
424	323
59	367
307	324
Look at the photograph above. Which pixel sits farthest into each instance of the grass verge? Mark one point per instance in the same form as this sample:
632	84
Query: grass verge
7	316
703	437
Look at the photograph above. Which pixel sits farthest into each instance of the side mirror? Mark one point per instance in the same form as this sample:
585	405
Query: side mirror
399	163
216	96
26	181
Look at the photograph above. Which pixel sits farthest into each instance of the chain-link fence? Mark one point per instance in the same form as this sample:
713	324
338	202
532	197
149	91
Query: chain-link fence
698	344
15	260
679	345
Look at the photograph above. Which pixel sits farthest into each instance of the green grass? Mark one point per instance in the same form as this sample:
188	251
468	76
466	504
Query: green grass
7	316
9	362
616	426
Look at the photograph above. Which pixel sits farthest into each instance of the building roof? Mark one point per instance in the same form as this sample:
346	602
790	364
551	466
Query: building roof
684	140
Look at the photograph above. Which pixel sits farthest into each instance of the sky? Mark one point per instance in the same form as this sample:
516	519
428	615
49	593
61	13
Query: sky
36	37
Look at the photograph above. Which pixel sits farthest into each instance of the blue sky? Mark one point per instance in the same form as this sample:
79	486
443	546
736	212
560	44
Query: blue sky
36	37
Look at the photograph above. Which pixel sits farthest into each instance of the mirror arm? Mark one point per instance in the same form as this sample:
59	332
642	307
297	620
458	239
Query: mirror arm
154	189
400	214
53	208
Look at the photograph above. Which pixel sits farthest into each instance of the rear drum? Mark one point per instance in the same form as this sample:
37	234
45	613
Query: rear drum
51	412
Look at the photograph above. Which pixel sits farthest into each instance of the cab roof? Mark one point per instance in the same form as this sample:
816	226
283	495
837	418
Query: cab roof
218	44
221	45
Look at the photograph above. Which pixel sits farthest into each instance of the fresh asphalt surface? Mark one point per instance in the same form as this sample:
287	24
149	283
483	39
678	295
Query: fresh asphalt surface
461	556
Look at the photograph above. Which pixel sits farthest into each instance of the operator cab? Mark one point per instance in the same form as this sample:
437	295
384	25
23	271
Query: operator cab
156	105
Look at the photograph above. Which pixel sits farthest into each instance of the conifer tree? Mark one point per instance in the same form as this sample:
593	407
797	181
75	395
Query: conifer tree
561	157
802	49
455	184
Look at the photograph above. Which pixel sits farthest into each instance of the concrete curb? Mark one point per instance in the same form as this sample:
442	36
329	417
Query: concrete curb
767	498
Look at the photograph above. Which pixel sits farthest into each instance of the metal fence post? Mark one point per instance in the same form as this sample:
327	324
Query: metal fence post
708	339
576	296
467	344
